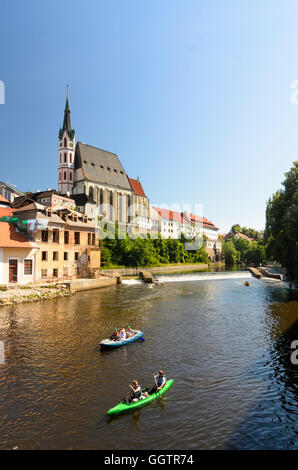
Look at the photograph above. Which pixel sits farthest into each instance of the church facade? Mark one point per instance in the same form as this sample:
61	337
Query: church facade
98	183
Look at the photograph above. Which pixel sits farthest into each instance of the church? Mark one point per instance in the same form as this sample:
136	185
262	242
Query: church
98	183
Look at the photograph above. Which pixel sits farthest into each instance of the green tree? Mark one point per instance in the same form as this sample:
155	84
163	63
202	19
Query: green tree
236	228
232	256
281	232
255	253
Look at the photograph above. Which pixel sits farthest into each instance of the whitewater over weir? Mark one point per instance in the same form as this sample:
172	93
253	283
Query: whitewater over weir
194	277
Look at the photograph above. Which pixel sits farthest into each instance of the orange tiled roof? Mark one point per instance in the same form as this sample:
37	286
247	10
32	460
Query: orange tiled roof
137	187
169	215
184	217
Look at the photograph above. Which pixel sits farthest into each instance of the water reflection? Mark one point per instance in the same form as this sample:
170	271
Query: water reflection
272	422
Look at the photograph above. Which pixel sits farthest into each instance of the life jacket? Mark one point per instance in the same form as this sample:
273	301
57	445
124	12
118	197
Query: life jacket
160	380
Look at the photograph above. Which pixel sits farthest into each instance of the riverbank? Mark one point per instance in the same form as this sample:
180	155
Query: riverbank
33	293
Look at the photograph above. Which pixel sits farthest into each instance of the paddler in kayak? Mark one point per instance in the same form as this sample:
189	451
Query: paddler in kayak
160	380
135	393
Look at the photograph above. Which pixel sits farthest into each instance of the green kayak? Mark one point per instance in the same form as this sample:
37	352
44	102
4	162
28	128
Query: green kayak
122	407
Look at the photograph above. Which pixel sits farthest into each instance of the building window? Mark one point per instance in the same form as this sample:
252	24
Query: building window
65	177
28	267
44	273
65	271
65	256
89	238
55	236
44	236
64	141
66	237
70	176
55	272
93	238
70	158
65	158
77	238
55	256
44	256
76	256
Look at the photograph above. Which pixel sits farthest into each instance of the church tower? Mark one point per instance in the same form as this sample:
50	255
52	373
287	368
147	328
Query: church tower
66	153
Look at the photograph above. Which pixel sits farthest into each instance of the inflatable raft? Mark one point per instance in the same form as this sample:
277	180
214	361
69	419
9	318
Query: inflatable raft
108	343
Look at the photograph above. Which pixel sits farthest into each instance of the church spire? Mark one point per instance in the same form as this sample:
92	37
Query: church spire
66	168
66	121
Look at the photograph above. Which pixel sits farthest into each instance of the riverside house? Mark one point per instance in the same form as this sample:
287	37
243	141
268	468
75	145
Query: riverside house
17	253
68	247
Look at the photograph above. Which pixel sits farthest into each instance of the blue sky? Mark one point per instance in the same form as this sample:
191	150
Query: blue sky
194	96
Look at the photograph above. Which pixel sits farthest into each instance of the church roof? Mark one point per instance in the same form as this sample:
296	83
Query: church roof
137	187
100	166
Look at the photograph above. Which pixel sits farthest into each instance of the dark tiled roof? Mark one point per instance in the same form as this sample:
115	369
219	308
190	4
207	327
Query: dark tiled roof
82	199
100	166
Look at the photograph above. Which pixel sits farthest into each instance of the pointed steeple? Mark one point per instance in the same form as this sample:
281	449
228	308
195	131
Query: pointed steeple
66	121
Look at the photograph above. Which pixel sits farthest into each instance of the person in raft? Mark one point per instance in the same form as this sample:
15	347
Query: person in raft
122	335
129	332
160	380
115	335
135	393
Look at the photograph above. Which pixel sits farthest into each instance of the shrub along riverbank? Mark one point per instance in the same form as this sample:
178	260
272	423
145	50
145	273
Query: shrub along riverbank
145	252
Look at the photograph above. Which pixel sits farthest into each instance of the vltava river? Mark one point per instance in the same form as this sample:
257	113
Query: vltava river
227	347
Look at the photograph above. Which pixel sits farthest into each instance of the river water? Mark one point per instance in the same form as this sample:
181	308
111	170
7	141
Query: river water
227	347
